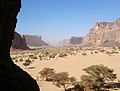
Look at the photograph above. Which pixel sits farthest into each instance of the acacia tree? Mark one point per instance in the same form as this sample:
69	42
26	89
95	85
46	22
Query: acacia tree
63	80
47	73
97	76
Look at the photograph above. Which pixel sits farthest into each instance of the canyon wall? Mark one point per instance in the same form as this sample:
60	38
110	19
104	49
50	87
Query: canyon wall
103	34
19	42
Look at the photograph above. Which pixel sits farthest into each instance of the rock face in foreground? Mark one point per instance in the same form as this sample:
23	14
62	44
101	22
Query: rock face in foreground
72	41
19	42
104	34
12	77
34	41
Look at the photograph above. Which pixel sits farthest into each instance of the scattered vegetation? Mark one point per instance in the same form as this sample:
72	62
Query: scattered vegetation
58	79
63	79
62	55
97	77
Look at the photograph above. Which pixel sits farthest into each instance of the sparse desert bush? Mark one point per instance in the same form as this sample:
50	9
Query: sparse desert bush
13	58
35	57
33	61
102	51
119	48
63	79
52	55
32	56
27	62
97	76
91	52
84	54
46	53
95	52
63	55
16	60
21	60
114	48
114	52
47	73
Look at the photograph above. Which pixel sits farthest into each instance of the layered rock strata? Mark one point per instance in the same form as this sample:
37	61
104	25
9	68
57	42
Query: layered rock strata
103	34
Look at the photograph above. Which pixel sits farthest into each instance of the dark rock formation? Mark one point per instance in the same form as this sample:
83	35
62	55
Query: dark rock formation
76	40
34	41
19	42
12	77
103	34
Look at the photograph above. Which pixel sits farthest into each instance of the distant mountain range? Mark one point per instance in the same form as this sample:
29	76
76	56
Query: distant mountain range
105	34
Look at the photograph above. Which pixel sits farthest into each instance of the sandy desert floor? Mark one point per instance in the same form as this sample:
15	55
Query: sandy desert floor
73	65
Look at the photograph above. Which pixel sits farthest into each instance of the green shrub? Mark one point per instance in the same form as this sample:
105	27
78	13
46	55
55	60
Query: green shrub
84	54
96	77
27	62
63	55
21	60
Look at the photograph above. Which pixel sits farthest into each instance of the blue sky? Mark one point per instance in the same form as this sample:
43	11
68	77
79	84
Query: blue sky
56	20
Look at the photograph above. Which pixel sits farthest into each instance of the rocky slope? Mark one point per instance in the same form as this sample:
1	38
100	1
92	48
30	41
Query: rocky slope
103	34
34	41
71	41
19	42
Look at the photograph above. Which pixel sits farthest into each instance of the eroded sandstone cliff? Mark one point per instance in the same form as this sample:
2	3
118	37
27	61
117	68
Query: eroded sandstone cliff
103	34
19	42
34	41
